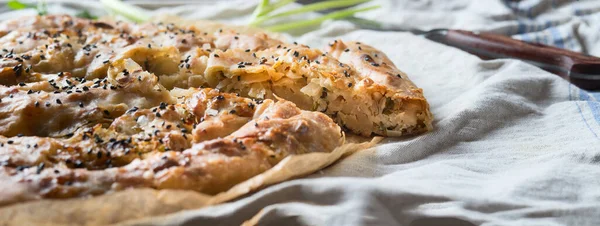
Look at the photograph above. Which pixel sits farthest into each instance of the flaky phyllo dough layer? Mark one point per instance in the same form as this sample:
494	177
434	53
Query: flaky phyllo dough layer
89	107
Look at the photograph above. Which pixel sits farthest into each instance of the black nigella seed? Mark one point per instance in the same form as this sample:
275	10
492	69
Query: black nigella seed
78	164
40	167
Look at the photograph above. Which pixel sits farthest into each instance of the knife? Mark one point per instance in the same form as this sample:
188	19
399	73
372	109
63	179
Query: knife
580	69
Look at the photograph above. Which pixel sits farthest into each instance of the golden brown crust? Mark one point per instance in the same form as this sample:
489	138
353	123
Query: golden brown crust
102	160
251	63
65	136
407	98
93	107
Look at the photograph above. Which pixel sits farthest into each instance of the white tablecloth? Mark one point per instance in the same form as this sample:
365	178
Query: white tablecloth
511	145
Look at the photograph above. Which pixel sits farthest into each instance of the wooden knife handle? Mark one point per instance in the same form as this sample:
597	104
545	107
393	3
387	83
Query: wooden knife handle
558	61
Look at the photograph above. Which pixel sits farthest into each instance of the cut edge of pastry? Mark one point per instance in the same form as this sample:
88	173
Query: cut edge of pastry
401	107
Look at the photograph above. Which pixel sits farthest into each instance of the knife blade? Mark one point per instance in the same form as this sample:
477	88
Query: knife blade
580	69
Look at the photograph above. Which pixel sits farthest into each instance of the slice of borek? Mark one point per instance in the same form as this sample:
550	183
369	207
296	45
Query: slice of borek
355	84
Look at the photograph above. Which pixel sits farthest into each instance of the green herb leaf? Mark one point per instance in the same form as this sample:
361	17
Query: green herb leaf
128	11
335	15
310	8
16	5
262	13
86	14
42	8
278	4
259	9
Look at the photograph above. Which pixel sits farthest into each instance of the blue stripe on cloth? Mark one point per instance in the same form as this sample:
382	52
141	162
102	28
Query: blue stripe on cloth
569	44
576	102
577	11
583	95
596	95
595	107
521	27
548	24
570	96
585	121
556	37
589	96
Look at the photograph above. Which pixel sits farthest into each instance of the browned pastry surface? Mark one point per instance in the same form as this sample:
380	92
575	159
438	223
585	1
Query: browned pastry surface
355	84
93	107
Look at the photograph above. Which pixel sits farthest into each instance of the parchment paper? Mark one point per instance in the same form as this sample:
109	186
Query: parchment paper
142	205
